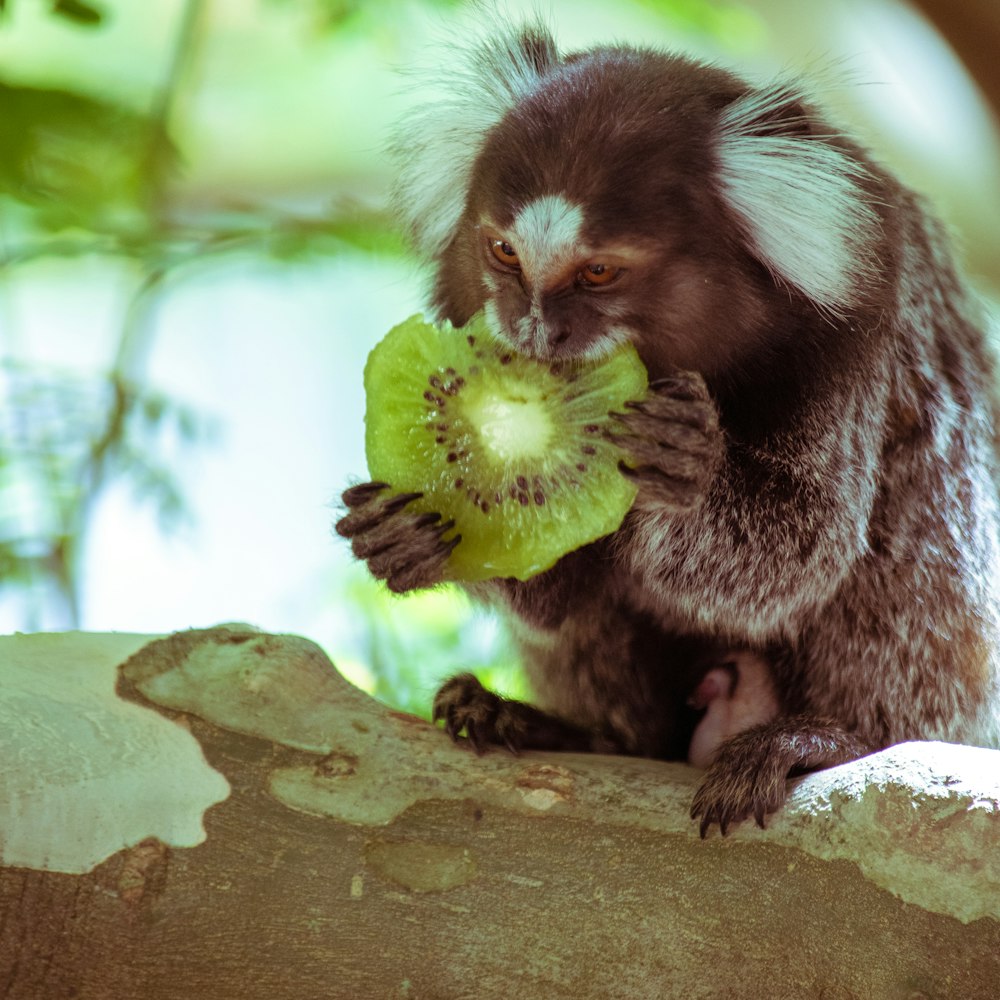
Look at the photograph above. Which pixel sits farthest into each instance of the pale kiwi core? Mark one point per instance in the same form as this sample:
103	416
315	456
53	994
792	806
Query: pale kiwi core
513	427
519	453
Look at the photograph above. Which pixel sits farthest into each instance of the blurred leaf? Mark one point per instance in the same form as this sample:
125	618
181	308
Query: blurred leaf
78	161
733	24
336	15
62	438
406	646
371	233
336	12
78	12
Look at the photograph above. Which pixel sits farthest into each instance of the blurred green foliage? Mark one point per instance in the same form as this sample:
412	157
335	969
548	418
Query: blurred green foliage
81	175
75	161
412	643
733	24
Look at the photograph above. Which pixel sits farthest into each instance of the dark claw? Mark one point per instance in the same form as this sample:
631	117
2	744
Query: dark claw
451	725
398	502
680	387
426	520
362	493
748	777
477	738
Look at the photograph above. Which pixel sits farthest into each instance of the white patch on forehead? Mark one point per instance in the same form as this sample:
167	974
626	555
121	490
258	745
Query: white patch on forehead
546	235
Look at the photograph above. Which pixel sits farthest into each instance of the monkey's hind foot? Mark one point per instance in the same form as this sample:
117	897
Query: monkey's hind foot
405	549
747	777
464	704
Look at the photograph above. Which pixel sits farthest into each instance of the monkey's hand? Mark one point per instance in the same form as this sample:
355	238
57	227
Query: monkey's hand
673	441
748	775
405	549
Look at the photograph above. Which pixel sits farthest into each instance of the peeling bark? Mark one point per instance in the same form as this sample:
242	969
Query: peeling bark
360	854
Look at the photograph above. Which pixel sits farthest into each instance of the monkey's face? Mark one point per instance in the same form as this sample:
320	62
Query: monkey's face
626	195
590	222
552	290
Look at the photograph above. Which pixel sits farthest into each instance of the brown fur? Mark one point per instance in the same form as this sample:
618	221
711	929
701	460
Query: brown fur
822	492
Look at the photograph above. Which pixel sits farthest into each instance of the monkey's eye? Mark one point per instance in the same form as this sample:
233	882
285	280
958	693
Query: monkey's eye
505	253
597	275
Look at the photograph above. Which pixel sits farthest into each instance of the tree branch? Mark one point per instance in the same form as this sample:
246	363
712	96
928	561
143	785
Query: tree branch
349	851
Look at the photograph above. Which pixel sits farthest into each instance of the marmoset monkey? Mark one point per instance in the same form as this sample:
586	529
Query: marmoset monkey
815	459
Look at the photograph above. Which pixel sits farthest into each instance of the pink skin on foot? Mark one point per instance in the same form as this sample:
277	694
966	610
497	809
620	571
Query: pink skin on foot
735	696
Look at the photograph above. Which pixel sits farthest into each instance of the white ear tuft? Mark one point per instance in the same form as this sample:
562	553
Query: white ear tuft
471	87
806	216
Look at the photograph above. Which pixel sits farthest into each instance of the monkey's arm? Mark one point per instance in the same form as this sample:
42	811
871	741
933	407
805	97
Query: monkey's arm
782	524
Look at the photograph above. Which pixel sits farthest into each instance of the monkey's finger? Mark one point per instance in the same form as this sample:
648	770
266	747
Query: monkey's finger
355	496
387	534
668	434
680	483
702	416
670	473
681	385
478	730
366	515
679	478
406	572
700	413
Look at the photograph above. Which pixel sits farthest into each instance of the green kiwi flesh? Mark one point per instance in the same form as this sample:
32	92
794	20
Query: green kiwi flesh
511	448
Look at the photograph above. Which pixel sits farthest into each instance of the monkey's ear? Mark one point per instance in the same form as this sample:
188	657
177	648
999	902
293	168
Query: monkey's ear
798	197
471	89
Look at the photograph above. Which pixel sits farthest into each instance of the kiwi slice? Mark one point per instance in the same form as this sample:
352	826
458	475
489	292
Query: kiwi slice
511	448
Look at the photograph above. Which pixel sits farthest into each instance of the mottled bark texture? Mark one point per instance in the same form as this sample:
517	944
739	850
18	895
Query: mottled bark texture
360	853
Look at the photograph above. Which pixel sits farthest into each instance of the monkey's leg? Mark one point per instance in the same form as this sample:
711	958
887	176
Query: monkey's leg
748	775
406	550
464	704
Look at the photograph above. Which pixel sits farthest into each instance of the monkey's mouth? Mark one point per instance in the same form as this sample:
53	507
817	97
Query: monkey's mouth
534	338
